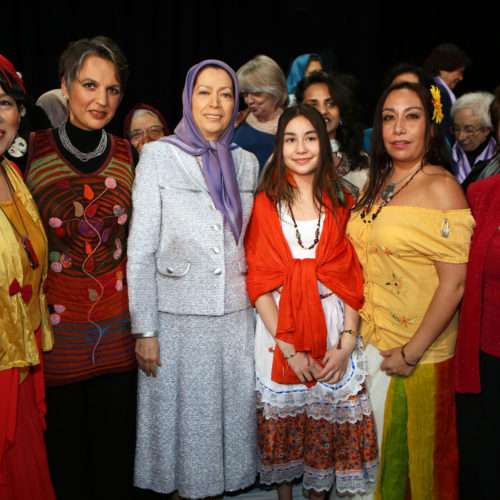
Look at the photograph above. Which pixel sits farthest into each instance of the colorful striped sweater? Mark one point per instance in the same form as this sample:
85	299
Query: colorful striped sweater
86	219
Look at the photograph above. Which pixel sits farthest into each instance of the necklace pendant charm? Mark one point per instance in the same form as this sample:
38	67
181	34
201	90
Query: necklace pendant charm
445	228
388	191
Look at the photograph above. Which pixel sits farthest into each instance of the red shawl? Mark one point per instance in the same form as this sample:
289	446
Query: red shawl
301	320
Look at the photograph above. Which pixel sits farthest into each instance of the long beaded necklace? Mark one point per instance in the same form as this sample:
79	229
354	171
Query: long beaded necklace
99	150
24	238
387	196
271	129
297	232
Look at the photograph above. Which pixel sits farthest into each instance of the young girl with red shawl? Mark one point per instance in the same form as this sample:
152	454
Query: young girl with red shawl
314	415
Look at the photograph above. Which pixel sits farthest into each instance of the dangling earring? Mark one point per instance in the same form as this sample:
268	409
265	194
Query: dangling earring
18	147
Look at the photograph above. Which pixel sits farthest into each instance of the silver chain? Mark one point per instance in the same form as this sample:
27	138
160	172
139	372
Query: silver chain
99	150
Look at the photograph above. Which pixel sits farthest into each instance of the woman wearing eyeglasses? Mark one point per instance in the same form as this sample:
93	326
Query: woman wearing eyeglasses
144	124
472	129
263	87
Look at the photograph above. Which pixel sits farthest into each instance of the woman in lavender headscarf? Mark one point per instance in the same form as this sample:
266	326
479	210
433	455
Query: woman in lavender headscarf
191	317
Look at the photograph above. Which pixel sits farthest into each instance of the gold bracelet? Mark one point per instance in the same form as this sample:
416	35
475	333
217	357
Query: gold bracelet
404	357
354	333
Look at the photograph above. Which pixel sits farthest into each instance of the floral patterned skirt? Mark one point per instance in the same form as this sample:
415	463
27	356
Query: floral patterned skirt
325	451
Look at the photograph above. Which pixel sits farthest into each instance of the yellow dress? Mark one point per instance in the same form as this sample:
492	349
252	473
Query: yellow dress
415	415
397	253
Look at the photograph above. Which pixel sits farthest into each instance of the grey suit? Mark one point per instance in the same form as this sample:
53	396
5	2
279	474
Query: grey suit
196	420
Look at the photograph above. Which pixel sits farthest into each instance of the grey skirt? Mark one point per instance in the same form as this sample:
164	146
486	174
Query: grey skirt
196	429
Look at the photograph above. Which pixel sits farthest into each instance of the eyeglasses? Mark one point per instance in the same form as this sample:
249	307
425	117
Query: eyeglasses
254	93
154	132
468	131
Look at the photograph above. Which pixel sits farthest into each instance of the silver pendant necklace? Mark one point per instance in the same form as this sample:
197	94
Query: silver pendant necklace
99	150
388	191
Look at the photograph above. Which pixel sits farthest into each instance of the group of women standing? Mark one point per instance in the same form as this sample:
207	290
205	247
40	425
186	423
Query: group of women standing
345	374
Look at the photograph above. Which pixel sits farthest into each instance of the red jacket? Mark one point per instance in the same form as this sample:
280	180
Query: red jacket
484	200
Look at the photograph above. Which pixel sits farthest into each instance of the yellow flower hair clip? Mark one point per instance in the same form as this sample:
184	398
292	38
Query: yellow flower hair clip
437	116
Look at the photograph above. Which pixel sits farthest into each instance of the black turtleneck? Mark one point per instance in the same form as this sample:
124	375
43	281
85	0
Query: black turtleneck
85	141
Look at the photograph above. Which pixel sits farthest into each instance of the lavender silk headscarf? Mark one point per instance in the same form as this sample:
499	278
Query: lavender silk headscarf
218	166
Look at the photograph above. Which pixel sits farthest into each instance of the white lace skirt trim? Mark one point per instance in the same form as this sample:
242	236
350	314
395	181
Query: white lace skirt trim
350	482
329	401
347	411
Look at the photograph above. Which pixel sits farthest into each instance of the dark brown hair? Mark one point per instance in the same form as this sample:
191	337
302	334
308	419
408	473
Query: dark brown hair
75	55
350	131
435	148
275	183
447	57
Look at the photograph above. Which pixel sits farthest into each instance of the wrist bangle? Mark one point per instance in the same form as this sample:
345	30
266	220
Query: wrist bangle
404	357
290	356
354	333
145	335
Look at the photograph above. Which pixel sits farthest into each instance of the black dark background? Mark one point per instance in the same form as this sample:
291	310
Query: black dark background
163	39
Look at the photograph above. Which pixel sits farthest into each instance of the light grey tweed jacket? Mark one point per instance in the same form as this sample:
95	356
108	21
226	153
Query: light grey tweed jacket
181	258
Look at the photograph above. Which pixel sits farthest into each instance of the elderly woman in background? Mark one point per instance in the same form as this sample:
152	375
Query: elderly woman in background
301	67
478	352
263	86
334	100
472	129
81	179
144	124
191	315
24	319
411	229
447	63
487	168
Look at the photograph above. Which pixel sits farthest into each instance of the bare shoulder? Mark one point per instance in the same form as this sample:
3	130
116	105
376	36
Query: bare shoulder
443	190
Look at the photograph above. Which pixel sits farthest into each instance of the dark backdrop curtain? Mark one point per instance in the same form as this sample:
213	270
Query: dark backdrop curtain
163	39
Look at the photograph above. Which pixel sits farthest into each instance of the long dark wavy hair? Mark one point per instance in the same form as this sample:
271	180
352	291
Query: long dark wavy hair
435	148
350	133
279	186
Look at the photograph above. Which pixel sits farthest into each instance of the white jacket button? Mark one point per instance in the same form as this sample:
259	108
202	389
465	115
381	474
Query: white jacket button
217	271
217	227
170	270
216	250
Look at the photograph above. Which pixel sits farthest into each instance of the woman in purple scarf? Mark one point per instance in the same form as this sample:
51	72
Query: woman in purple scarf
191	317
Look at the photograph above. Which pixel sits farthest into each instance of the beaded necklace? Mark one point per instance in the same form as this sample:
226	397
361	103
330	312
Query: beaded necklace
297	232
387	196
270	129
